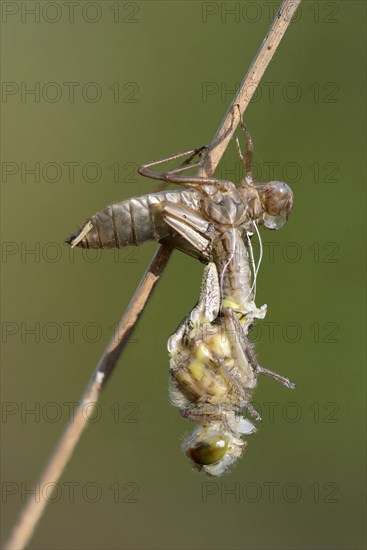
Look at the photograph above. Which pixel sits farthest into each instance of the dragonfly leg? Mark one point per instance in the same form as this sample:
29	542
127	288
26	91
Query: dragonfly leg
234	380
250	355
247	160
261	370
146	169
202	413
240	349
275	376
207	413
253	412
173	175
192	182
189	224
241	376
183	166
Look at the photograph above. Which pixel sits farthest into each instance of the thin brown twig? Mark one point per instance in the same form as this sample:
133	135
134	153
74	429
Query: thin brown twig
248	87
34	508
32	513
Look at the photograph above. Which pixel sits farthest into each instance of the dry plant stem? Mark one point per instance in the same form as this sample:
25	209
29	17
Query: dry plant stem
248	87
35	506
33	510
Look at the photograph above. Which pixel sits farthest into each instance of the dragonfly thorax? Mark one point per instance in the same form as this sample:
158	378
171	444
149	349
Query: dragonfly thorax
229	210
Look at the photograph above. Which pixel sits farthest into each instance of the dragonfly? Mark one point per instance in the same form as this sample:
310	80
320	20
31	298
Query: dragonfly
212	375
213	368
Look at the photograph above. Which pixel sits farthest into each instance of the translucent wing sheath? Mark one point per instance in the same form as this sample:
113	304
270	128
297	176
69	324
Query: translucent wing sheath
213	367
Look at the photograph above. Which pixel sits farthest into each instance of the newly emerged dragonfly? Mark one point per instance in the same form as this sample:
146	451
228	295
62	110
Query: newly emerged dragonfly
213	371
213	367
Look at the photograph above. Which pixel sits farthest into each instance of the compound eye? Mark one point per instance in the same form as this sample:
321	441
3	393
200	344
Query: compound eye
274	222
277	201
208	451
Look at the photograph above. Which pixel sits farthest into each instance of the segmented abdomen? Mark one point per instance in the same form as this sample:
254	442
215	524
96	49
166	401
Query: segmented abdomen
133	221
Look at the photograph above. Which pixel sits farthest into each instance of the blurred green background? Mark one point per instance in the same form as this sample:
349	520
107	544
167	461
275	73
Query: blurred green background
118	84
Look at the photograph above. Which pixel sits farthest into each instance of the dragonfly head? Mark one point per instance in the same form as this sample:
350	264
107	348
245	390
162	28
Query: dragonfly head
207	447
277	201
213	449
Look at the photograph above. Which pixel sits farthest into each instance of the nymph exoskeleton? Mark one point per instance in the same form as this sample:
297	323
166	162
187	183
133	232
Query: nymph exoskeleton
184	218
209	219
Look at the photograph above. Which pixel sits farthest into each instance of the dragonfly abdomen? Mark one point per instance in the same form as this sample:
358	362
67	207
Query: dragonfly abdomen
131	222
